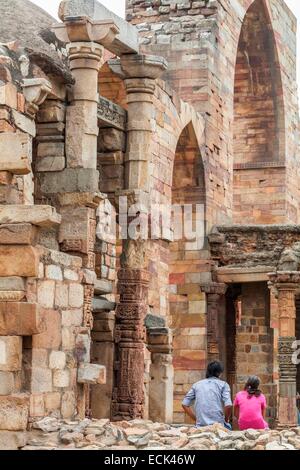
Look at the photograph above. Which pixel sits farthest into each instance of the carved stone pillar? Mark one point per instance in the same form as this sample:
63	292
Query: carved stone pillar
140	72
162	375
128	397
214	292
286	284
86	40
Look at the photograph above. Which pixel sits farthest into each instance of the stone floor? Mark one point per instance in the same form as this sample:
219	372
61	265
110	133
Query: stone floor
52	434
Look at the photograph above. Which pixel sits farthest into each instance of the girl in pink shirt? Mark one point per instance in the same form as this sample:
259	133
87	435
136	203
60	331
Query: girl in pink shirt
250	406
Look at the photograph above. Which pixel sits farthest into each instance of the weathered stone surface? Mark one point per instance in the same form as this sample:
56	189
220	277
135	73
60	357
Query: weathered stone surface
42	216
18	234
70	180
18	260
10	353
7	383
12	283
50	164
14	413
61	378
57	360
91	374
15	151
11	440
23	123
20	319
103	286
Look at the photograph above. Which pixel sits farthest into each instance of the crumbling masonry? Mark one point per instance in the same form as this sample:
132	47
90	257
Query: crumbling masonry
188	102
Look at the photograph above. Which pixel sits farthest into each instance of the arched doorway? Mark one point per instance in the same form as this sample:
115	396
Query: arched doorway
258	128
187	304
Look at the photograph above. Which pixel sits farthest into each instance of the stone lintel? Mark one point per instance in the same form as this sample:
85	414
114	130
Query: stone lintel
243	274
19	319
127	39
41	216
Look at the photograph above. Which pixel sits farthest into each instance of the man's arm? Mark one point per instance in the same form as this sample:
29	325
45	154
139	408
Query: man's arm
188	402
190	412
228	413
226	397
236	411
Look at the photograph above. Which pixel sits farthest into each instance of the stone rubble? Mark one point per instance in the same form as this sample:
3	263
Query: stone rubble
54	434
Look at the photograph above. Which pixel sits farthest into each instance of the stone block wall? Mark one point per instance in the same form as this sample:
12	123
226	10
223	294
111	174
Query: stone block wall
254	343
200	41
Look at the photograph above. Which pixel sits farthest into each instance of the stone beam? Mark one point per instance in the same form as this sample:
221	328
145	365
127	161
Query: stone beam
126	41
229	275
111	114
41	216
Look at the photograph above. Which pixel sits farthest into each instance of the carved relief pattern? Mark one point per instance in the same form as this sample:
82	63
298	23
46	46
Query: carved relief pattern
287	369
112	114
212	326
128	402
87	306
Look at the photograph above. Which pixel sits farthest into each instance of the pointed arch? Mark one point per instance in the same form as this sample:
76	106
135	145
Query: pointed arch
259	142
186	301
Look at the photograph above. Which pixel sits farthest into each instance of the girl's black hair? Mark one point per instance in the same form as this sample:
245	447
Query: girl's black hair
252	386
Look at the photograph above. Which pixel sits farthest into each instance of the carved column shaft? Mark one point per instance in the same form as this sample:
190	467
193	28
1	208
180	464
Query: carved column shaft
128	397
141	73
214	292
82	123
162	375
286	285
85	40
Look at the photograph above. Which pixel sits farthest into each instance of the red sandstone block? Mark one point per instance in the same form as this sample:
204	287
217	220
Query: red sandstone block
19	319
20	261
176	278
51	336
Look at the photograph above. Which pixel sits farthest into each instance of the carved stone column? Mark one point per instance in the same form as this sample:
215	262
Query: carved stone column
214	292
86	40
128	397
162	375
140	72
286	284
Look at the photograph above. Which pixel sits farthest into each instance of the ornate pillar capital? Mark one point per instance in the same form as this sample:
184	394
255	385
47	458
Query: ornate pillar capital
142	66
83	29
85	55
284	280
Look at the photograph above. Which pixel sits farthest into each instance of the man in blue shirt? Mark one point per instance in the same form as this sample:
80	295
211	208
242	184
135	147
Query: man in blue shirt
212	399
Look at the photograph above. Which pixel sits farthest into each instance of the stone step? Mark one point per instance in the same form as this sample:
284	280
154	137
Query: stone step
103	287
100	304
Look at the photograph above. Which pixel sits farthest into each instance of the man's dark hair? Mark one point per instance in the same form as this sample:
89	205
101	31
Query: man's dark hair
214	369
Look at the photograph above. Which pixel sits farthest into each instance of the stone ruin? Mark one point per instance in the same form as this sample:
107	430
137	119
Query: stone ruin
186	102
